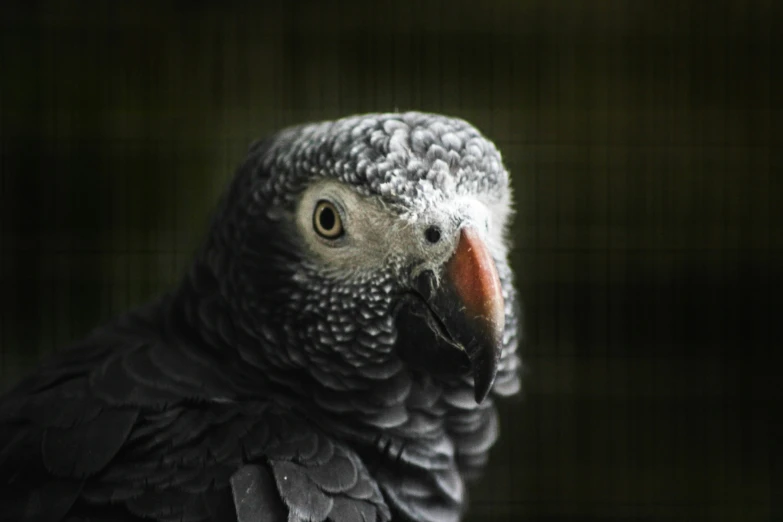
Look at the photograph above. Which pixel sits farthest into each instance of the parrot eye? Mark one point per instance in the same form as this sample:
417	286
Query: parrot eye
326	220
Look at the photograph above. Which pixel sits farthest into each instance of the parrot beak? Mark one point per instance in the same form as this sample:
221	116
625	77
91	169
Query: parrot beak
467	309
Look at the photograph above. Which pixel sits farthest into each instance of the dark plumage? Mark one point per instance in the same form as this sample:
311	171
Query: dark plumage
306	368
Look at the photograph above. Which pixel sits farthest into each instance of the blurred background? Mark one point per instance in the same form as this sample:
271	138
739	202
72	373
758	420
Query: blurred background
644	141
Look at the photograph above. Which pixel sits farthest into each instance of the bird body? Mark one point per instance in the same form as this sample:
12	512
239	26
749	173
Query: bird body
331	354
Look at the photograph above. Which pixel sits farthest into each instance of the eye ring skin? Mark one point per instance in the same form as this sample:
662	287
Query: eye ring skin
337	229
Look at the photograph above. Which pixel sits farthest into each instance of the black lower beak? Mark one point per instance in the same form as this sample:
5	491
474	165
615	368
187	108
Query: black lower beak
460	320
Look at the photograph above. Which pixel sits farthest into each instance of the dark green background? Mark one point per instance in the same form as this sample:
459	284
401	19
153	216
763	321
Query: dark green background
644	139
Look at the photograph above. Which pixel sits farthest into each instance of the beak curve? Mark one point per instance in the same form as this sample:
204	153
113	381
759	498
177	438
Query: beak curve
469	308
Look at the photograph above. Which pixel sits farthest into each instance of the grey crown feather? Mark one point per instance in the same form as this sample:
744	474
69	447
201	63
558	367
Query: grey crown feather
257	368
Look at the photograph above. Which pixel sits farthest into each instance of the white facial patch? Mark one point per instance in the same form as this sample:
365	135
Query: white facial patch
378	235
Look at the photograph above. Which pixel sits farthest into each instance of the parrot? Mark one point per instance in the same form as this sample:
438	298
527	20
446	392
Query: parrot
333	351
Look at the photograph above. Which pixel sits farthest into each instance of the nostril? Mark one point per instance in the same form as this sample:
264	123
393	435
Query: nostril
432	234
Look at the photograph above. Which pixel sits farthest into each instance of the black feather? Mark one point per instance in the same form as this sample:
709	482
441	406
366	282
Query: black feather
83	450
346	511
298	493
255	496
49	501
339	476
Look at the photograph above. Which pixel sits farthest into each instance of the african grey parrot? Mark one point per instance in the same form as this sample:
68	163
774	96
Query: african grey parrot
329	355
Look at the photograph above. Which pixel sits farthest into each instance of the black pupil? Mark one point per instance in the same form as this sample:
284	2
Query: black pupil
432	234
327	219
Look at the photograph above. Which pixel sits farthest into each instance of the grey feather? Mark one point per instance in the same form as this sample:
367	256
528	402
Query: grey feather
255	497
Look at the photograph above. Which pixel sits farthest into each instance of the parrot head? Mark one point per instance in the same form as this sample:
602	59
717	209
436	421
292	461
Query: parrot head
374	248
